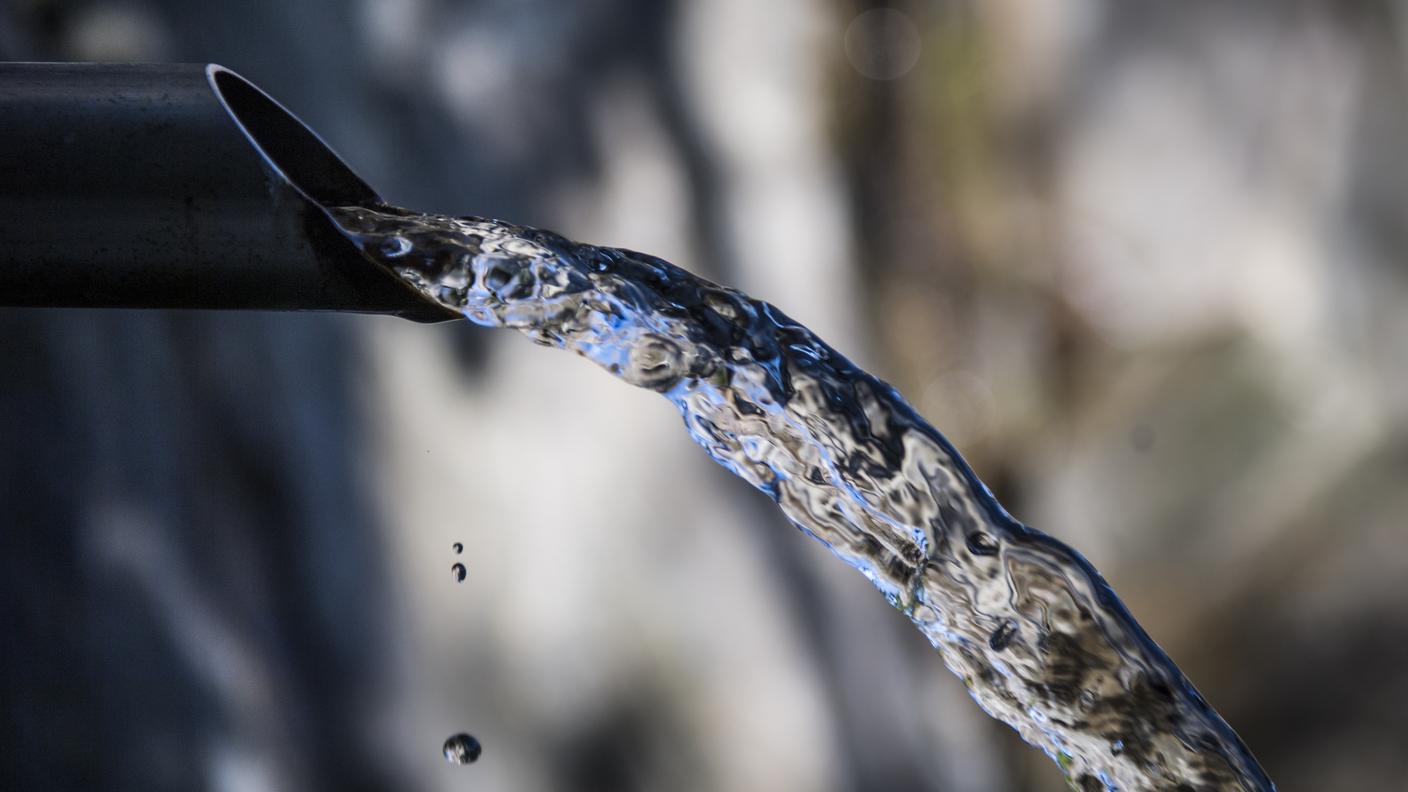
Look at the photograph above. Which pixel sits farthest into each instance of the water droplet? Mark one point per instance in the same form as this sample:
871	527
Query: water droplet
462	749
1003	635
459	572
458	547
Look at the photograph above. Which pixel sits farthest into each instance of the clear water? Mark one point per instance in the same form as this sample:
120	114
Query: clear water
462	749
1034	632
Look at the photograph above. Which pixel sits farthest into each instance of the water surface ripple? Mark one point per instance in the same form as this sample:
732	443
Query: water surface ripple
1037	636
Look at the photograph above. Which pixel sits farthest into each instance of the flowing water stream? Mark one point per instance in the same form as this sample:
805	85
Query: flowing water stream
1034	632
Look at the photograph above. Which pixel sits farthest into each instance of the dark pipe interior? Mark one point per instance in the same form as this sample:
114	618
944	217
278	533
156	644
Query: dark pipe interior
287	145
316	172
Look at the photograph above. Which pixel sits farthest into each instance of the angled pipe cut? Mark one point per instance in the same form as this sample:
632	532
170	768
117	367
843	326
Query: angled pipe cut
174	186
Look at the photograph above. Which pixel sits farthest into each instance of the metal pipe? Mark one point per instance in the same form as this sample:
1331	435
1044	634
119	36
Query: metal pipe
174	186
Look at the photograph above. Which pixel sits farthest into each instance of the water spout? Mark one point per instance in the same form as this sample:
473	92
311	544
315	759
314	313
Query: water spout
1034	631
173	186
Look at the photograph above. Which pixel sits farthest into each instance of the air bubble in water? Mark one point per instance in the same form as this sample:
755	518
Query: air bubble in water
462	749
980	543
458	571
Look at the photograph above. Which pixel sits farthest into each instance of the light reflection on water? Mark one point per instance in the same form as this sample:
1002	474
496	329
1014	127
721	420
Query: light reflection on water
1037	636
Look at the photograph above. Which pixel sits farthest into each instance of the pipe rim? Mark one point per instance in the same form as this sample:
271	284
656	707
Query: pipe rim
286	144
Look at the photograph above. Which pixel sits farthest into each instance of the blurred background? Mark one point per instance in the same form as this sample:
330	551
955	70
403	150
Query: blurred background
1142	261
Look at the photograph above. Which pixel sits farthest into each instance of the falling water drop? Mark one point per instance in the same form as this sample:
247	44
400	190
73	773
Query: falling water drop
457	547
458	571
462	749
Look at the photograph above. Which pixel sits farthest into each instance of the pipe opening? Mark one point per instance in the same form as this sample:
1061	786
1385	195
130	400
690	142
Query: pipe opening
288	145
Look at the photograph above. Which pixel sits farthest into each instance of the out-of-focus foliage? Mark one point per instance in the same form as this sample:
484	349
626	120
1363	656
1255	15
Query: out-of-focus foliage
1141	260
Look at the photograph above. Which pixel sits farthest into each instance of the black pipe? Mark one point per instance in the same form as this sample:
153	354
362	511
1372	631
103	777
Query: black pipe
174	186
